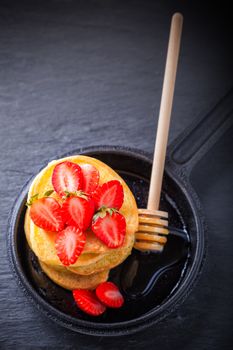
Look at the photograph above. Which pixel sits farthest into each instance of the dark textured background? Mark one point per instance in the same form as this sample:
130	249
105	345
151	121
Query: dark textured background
80	73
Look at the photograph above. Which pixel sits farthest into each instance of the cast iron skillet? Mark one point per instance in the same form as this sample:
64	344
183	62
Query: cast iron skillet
153	284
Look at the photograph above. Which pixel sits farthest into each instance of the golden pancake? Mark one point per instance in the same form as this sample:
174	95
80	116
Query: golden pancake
69	280
96	255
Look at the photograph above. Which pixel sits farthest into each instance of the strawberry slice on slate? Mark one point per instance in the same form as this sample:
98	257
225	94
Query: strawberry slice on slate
87	301
109	294
90	178
110	227
67	177
109	195
46	214
78	211
69	244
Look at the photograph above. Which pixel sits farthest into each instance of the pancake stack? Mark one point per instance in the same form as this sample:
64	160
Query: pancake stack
93	265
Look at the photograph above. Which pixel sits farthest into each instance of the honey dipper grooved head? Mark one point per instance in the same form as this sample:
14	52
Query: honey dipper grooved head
152	230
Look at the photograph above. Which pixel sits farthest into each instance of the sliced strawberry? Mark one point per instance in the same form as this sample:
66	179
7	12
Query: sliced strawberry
67	177
110	229
78	211
46	213
90	178
110	195
69	244
109	294
87	301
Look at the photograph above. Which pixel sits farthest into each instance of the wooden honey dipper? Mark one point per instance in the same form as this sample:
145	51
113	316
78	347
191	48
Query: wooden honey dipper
153	223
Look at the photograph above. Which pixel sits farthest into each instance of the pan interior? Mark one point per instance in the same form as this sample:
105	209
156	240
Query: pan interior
147	280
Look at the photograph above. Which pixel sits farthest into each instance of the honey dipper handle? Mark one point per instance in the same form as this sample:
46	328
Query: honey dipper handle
165	112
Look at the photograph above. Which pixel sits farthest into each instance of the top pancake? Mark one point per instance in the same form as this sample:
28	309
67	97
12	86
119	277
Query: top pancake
42	242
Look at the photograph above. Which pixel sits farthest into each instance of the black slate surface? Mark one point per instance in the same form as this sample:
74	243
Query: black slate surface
79	73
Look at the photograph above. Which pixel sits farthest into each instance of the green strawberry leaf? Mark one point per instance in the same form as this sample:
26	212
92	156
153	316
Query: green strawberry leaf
76	194
32	199
69	194
111	210
48	193
82	194
102	212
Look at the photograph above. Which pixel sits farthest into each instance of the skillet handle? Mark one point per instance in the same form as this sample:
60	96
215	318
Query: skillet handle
199	137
